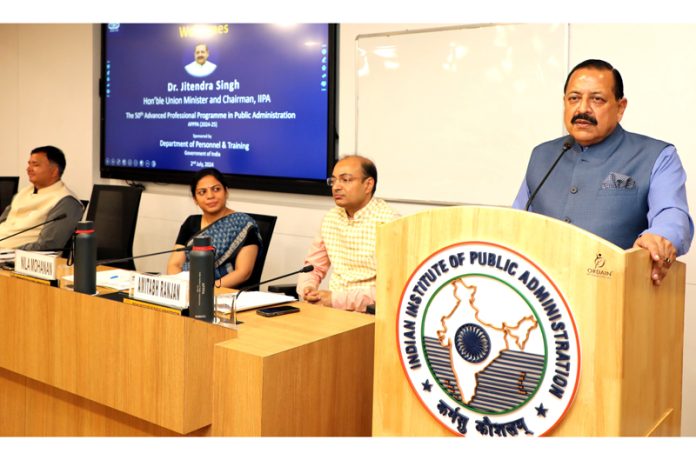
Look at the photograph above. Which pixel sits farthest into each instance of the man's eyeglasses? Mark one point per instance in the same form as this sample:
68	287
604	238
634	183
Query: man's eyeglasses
214	188
343	179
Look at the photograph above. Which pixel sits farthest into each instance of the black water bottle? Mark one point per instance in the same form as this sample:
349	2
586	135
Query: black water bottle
85	258
201	279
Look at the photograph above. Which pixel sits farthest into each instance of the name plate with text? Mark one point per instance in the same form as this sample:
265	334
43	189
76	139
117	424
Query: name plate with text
35	264
161	290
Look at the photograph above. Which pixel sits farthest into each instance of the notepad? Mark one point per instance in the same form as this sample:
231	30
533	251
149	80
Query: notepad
251	299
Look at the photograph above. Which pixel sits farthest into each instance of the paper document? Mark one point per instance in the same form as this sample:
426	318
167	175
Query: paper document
251	299
115	279
119	280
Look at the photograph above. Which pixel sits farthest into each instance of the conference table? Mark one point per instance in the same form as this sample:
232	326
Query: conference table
78	365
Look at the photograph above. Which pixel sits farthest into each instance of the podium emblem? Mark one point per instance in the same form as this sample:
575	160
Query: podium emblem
488	342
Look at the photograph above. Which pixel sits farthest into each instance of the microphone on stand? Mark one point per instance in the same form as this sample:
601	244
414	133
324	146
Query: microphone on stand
566	146
305	269
128	259
57	218
84	243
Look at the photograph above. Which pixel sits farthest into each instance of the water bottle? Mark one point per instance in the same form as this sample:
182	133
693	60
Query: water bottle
201	279
85	258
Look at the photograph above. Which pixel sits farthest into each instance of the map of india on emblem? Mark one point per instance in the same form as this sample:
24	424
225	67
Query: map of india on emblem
488	342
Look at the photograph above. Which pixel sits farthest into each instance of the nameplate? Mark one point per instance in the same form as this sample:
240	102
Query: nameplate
161	290
42	266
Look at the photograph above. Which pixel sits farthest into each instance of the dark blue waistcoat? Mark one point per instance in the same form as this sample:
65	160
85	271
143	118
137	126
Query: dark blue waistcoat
603	189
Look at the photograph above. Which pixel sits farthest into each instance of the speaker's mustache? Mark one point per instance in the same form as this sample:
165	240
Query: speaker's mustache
584	116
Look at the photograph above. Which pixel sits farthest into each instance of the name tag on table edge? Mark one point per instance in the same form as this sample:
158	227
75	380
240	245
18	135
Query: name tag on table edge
36	265
162	290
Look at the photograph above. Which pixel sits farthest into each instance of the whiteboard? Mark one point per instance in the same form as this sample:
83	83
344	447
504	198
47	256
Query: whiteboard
450	115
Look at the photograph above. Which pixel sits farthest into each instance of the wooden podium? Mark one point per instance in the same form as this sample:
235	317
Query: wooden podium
630	332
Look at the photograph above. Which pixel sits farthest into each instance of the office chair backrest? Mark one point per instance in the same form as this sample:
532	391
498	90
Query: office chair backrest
266	225
67	249
8	189
114	211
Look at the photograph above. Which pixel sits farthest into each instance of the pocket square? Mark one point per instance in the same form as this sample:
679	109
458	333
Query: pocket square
618	181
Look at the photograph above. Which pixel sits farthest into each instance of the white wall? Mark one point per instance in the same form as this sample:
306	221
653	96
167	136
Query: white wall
435	96
658	71
48	95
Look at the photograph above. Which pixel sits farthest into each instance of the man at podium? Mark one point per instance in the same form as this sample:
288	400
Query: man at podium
625	187
347	240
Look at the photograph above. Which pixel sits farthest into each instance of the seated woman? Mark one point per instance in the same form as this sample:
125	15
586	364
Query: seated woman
235	236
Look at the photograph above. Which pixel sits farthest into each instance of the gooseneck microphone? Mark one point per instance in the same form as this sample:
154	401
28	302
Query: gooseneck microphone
58	217
566	146
305	269
128	259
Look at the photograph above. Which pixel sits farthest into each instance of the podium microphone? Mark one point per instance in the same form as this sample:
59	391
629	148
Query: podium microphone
57	218
566	146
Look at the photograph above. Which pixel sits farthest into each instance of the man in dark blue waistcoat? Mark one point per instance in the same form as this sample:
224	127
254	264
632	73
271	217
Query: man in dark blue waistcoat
624	187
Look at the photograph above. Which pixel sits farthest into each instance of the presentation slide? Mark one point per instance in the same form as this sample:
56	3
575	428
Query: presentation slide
248	99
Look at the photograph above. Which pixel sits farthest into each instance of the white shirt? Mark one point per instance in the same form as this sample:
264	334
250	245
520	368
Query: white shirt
196	70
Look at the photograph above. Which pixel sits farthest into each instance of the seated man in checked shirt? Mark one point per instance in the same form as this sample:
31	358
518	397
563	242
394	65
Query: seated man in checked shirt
347	239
